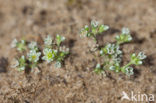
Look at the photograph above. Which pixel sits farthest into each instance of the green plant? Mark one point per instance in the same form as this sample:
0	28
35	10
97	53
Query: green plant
20	45
20	63
53	50
48	42
135	60
49	54
111	53
59	39
33	57
94	30
124	36
33	46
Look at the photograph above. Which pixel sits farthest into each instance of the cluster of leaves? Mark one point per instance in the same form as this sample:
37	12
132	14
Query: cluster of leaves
111	53
93	30
53	51
32	58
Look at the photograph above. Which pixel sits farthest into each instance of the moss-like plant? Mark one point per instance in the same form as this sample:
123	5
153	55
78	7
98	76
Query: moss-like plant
53	51
111	53
20	45
31	59
93	30
20	63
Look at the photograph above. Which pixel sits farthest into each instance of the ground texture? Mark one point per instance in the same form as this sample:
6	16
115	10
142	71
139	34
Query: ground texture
76	82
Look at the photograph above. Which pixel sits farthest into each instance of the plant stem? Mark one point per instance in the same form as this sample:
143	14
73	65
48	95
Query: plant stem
94	38
118	42
127	65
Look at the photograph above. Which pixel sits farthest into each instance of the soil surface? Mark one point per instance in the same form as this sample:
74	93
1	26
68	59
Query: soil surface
76	82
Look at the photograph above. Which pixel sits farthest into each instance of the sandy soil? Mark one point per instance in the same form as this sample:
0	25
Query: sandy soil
76	82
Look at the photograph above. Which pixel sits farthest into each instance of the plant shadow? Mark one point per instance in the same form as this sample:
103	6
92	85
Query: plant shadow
149	61
110	31
137	73
70	43
3	65
136	39
27	69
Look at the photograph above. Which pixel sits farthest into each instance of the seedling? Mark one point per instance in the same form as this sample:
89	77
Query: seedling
135	60
33	46
33	57
53	50
111	53
59	39
98	69
20	63
48	42
124	36
94	30
20	45
49	54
